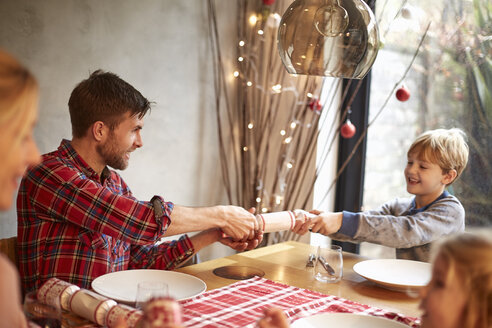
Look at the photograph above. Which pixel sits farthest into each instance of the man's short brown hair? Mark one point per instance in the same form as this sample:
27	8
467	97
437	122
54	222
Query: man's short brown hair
104	97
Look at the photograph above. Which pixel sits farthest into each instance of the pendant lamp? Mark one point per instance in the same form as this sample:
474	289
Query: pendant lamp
337	38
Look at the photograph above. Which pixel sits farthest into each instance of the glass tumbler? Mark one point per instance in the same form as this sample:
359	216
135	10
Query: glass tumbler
44	315
148	290
329	264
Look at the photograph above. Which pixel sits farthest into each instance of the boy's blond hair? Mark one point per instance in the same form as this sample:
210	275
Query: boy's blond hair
446	148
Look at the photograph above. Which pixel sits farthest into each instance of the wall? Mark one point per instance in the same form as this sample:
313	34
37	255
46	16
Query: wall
161	47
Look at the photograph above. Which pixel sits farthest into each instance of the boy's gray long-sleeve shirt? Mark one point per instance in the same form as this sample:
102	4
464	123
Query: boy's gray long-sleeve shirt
399	224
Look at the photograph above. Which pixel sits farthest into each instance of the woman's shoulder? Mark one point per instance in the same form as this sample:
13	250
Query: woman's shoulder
10	300
8	271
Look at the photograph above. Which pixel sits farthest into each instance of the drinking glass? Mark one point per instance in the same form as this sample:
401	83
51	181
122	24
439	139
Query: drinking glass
148	290
44	315
329	264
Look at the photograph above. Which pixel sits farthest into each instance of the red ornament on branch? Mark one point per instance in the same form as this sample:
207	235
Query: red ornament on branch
347	130
315	105
268	2
402	94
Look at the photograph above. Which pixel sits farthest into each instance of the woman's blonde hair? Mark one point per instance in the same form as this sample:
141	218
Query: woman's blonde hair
469	259
446	148
18	93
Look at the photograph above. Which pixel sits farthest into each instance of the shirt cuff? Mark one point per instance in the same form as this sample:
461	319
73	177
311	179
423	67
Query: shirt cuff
186	249
162	211
350	224
172	254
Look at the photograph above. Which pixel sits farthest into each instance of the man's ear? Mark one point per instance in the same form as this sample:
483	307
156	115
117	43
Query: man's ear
449	177
99	131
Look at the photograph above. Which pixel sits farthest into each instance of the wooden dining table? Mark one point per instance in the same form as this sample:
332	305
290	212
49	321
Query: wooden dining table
286	263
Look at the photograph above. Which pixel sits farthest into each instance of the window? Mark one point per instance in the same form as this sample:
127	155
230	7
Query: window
450	84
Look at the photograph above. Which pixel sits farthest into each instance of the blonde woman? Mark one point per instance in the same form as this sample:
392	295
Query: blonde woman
18	113
459	294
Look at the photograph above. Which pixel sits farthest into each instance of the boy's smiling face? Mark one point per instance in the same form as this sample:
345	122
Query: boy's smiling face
425	180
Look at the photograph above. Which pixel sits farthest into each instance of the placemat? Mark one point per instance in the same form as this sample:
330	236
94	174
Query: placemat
241	305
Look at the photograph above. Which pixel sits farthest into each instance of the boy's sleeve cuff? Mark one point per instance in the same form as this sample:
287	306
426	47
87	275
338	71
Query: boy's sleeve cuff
350	224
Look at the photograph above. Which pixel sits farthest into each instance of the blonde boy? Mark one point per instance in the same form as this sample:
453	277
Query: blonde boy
435	160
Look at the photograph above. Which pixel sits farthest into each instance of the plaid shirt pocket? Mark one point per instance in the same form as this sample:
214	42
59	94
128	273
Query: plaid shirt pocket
93	239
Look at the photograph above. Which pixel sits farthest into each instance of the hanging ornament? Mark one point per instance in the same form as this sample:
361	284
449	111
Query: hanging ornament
348	129
268	2
337	38
315	105
402	94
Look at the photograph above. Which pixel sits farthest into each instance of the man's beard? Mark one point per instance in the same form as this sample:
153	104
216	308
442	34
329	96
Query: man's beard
111	155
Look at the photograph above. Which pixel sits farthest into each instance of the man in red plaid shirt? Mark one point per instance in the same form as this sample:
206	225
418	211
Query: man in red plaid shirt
78	220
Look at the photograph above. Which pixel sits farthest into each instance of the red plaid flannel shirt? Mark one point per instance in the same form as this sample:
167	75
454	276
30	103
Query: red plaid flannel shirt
72	227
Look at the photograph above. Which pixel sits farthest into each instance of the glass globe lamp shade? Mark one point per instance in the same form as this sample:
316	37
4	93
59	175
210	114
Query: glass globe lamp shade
337	38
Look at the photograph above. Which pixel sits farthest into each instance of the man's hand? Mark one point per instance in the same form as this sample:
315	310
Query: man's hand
325	223
274	318
242	245
238	223
208	237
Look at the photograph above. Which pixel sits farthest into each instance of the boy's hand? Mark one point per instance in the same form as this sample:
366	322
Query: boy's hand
325	223
301	227
303	221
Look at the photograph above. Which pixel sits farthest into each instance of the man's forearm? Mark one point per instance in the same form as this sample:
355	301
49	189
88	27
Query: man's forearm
234	221
190	219
205	238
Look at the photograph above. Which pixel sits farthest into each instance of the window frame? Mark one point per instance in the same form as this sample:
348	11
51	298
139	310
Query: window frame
349	190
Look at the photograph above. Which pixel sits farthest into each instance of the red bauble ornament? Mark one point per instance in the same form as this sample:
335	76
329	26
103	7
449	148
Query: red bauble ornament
315	105
268	2
347	130
402	94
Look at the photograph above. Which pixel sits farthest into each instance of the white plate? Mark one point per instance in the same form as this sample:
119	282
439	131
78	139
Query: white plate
122	285
345	320
400	275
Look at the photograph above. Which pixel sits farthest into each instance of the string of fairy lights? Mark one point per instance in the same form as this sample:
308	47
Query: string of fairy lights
297	147
263	122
